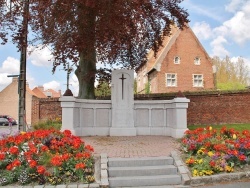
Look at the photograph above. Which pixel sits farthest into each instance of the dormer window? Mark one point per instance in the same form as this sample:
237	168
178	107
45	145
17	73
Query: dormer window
177	60
197	61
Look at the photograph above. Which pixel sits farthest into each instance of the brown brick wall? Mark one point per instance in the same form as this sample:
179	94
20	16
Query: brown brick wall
219	109
211	108
47	108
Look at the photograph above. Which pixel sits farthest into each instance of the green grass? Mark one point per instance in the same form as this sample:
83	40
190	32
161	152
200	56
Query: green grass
48	124
237	127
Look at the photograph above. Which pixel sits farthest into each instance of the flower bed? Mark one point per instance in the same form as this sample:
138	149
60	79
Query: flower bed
45	156
209	152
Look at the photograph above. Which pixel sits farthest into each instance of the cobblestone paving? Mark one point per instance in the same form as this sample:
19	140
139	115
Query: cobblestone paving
133	146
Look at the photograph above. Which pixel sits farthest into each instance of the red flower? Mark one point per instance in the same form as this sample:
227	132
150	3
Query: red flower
44	148
9	167
65	156
67	133
14	150
56	161
212	163
32	163
40	170
80	166
242	157
90	148
16	163
2	156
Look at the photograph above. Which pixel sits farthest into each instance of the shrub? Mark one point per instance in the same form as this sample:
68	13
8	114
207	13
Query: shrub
48	124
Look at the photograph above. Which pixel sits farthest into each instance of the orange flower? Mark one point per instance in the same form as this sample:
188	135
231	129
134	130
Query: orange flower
80	166
56	161
32	163
40	170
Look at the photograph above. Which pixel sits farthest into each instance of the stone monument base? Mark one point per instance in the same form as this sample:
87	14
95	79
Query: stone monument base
122	131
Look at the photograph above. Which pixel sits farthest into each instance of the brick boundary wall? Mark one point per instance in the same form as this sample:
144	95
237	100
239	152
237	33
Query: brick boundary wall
46	108
212	107
205	108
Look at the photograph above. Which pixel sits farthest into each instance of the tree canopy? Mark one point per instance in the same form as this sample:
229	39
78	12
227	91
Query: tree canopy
89	31
231	75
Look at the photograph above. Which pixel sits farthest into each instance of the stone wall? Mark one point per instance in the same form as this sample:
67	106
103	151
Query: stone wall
204	107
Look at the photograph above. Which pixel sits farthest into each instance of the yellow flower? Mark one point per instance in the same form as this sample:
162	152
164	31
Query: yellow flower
200	161
234	136
229	169
210	153
22	133
195	172
210	128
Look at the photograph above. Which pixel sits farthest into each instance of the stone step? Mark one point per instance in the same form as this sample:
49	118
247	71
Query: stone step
134	181
143	161
142	171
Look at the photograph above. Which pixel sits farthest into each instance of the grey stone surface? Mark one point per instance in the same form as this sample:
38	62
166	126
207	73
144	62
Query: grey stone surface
72	186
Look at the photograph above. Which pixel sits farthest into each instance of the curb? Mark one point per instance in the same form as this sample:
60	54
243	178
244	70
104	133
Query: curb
104	171
187	178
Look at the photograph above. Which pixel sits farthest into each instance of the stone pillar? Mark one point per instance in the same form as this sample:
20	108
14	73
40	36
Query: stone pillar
122	98
179	117
68	120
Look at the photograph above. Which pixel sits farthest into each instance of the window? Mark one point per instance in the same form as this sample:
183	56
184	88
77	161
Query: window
197	61
171	80
197	80
177	60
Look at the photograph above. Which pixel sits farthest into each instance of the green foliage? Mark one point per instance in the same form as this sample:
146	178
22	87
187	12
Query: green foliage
103	89
48	124
237	127
231	75
231	86
147	88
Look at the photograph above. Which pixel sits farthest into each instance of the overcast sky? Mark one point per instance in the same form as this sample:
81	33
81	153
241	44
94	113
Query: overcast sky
222	26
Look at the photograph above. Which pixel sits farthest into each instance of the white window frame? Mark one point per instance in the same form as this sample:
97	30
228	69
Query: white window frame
171	79
177	60
197	60
198	80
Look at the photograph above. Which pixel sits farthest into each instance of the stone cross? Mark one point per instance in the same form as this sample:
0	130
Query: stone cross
122	78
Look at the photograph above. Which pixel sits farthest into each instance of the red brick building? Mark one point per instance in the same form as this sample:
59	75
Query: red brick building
182	64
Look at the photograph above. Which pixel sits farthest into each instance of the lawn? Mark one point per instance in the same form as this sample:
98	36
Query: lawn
236	127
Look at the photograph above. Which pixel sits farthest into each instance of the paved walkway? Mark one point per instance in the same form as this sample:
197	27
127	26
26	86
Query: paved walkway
133	146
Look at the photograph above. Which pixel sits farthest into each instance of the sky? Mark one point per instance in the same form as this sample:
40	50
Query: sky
222	27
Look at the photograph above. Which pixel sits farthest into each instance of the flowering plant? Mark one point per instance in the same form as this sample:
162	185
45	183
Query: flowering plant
208	152
45	156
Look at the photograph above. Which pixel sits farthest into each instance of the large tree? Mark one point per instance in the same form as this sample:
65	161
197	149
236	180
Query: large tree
90	31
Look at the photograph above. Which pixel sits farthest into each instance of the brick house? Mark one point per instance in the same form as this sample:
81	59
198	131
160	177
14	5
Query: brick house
9	99
181	64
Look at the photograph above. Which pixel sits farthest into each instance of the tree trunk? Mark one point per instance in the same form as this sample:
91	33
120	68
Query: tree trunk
85	73
86	70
